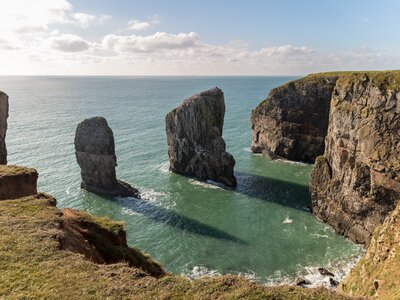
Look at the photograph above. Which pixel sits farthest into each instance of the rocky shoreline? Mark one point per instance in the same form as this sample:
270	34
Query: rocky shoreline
347	123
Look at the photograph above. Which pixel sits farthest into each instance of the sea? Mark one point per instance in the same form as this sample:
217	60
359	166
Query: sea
262	230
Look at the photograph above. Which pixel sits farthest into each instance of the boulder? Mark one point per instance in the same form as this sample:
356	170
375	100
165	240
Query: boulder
95	153
3	127
194	135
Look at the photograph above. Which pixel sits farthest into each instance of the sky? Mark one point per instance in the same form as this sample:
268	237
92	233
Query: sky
187	37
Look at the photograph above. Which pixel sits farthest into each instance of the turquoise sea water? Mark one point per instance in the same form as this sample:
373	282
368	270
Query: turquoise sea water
262	229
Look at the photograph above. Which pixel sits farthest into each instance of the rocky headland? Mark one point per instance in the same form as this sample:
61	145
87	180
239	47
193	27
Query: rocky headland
95	154
3	127
194	136
349	124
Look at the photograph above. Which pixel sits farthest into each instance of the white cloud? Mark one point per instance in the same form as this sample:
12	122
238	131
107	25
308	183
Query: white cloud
138	25
69	43
33	42
156	42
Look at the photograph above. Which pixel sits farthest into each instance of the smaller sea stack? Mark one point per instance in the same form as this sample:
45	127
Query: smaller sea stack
3	127
194	135
95	153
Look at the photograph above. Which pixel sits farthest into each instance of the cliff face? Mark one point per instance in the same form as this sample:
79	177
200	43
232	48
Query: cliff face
292	122
3	127
194	135
17	182
377	274
356	182
95	153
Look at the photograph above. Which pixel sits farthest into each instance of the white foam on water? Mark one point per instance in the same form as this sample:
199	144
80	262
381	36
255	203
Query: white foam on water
128	211
287	221
207	184
164	167
311	274
248	149
150	195
200	271
282	160
317	236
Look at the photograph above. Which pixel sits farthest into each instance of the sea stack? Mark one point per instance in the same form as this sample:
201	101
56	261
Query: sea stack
194	135
3	127
95	153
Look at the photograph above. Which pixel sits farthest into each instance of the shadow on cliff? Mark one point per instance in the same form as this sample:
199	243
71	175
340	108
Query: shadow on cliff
171	218
273	190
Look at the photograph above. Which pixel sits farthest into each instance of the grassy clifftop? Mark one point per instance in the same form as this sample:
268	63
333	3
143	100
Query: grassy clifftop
34	266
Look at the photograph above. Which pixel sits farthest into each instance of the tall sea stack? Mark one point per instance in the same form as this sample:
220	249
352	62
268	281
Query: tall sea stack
194	135
3	127
95	153
349	123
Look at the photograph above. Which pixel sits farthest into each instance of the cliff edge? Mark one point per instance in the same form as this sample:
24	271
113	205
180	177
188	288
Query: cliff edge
349	123
3	127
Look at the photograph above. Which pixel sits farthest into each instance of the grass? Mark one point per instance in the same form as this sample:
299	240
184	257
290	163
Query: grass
11	170
33	266
377	275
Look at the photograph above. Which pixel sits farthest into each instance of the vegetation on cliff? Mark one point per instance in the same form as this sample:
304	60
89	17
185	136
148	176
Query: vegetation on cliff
378	273
33	265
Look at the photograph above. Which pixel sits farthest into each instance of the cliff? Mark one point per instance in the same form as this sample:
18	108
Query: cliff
350	121
292	122
194	136
17	182
377	274
48	253
3	127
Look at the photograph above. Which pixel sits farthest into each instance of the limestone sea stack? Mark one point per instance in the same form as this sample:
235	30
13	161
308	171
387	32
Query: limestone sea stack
3	127
95	153
194	135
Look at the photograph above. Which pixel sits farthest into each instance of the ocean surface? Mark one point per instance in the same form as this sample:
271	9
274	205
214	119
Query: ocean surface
262	230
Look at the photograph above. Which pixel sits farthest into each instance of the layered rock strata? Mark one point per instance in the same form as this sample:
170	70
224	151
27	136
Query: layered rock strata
292	122
3	127
354	117
17	182
95	154
194	136
356	183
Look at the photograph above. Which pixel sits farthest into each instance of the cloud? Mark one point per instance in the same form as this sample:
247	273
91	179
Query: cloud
157	42
85	20
69	43
143	25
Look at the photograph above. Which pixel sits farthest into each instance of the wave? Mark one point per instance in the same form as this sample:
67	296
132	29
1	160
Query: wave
207	184
151	195
200	271
312	274
164	167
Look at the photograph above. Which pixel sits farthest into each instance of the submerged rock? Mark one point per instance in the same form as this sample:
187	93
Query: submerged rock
325	272
194	135
3	127
95	153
